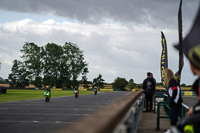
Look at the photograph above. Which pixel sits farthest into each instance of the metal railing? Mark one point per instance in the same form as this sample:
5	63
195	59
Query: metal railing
183	111
165	104
118	117
130	122
159	116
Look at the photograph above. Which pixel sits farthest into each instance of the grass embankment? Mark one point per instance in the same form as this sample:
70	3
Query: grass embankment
21	95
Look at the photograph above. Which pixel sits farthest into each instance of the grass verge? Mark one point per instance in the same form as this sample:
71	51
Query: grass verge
22	95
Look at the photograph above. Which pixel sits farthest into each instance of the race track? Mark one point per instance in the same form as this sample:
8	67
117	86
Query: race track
190	101
37	116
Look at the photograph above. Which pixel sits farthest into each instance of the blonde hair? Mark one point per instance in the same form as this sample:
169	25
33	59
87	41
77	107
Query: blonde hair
168	75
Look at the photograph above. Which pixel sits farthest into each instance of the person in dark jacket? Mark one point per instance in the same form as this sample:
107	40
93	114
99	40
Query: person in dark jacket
191	124
196	88
174	94
148	87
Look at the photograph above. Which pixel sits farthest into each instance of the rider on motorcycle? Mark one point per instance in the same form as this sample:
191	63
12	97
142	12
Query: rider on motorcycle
76	89
94	89
48	89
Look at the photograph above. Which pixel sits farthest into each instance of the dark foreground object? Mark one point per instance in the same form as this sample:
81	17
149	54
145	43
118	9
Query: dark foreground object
3	90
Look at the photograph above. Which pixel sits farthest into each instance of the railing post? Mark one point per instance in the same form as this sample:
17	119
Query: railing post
158	115
184	110
154	104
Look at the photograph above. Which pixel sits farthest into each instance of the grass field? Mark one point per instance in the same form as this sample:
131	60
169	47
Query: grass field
21	95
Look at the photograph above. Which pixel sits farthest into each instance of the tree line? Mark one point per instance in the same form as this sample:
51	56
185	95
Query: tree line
56	65
52	65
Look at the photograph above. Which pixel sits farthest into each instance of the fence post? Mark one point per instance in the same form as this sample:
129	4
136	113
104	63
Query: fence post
158	115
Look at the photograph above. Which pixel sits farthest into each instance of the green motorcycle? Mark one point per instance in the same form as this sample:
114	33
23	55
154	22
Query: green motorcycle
47	95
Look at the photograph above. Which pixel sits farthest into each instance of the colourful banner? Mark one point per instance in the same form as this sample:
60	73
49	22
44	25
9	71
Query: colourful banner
164	58
180	30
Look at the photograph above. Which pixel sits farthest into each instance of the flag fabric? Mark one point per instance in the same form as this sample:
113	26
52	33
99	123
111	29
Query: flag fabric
164	58
180	31
191	43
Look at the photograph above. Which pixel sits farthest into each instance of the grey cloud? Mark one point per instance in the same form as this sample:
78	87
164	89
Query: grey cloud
111	50
155	13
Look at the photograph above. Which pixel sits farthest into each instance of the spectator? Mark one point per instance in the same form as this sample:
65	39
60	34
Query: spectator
175	98
148	87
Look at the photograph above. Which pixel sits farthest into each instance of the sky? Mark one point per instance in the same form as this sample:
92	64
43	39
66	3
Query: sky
120	38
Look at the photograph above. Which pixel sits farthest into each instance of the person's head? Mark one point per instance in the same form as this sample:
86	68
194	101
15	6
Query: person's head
148	74
151	75
195	68
168	75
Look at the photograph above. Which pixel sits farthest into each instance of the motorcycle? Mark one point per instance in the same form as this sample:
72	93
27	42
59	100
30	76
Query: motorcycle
76	93
95	91
47	95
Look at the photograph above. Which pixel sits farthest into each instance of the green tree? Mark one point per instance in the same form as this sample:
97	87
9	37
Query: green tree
84	77
52	65
51	59
32	61
120	83
183	85
139	86
38	82
65	77
99	82
131	84
4	81
73	60
19	76
158	84
1	80
15	74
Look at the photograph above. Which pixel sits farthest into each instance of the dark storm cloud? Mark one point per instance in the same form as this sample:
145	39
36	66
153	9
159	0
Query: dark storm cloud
155	13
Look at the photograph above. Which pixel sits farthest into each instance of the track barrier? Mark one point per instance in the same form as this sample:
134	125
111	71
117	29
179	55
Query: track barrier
164	102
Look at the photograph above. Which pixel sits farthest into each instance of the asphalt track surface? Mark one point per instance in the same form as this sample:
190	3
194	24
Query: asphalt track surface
190	101
37	116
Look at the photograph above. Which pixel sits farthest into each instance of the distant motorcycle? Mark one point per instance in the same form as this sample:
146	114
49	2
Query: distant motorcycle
95	91
76	93
47	95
